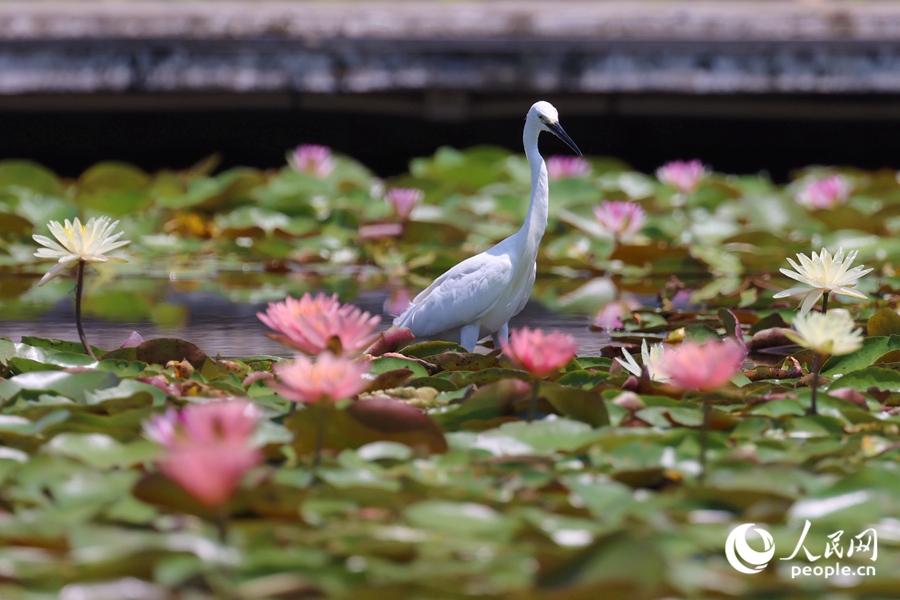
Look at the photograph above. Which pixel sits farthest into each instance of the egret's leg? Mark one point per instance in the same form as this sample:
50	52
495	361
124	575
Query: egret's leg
501	336
468	336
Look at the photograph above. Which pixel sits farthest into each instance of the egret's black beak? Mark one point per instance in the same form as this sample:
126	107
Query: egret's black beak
557	130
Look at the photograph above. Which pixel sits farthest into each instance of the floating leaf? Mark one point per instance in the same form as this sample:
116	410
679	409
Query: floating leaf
461	518
872	349
161	351
883	323
71	385
426	349
364	422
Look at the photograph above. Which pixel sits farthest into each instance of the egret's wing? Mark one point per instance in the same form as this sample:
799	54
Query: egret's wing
460	296
527	290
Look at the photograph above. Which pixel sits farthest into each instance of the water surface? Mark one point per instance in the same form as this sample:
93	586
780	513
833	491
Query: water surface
219	325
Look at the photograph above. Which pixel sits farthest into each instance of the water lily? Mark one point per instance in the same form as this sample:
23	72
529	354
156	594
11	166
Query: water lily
397	302
404	200
684	176
823	274
567	167
208	447
620	217
702	367
329	378
538	353
313	159
831	333
81	244
610	316
315	324
652	357
824	193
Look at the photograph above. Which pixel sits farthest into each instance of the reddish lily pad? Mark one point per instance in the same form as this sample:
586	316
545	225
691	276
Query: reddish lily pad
364	422
161	351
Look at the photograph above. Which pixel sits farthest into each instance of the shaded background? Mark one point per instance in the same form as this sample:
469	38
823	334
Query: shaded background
259	138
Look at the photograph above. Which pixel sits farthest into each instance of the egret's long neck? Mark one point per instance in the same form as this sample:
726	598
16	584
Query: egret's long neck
536	220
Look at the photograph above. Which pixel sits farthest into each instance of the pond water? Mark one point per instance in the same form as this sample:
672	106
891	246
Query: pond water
219	322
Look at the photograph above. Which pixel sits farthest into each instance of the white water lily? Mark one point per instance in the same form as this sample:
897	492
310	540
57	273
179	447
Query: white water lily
652	358
829	333
89	242
823	273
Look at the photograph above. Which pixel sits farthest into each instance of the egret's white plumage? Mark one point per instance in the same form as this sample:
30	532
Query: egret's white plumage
477	297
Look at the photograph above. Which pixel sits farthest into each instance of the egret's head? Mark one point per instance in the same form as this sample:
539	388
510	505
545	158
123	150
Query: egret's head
547	119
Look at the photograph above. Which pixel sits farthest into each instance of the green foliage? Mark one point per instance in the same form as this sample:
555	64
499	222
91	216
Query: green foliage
432	483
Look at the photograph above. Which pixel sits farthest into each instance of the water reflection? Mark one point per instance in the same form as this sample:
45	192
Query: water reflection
216	323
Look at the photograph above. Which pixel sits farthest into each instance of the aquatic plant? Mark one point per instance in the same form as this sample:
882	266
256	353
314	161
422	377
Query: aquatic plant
403	200
684	176
328	378
620	217
652	358
822	275
316	324
79	244
539	353
567	167
831	333
313	159
826	193
611	314
208	447
702	367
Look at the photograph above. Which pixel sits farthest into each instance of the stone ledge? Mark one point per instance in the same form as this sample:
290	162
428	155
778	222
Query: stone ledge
429	20
567	47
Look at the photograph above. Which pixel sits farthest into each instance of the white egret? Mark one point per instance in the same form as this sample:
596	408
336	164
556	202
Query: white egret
477	297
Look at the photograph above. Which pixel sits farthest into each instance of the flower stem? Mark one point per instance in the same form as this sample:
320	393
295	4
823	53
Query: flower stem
79	288
320	438
704	441
532	403
816	367
222	524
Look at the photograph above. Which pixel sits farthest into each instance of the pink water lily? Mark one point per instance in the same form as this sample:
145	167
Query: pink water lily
398	301
610	316
567	167
702	366
404	200
313	159
825	193
315	324
538	353
620	217
208	447
328	378
684	176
